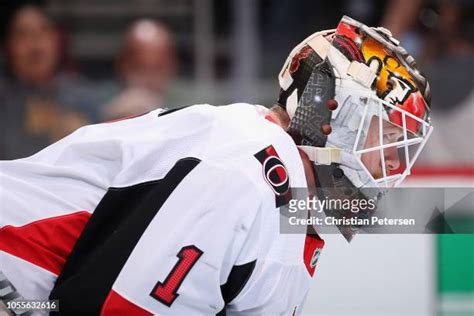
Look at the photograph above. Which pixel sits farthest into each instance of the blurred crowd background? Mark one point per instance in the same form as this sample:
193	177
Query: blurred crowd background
64	64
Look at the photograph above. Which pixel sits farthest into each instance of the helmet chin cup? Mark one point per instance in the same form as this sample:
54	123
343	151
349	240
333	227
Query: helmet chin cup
333	183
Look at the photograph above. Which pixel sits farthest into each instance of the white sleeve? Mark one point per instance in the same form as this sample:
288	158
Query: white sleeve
279	281
273	289
76	171
58	189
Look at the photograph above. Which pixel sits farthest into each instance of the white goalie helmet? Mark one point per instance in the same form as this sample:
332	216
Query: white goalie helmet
358	105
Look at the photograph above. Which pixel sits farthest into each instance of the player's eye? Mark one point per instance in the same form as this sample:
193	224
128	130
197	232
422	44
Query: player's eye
391	137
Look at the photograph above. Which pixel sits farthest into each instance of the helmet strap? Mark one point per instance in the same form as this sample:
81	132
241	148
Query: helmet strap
322	155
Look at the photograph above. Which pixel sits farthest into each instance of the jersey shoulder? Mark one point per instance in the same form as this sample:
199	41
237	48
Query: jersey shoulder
258	148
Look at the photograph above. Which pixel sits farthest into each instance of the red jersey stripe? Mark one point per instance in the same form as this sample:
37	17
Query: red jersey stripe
117	305
46	242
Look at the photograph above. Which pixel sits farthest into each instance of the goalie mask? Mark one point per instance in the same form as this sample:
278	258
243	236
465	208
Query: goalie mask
358	107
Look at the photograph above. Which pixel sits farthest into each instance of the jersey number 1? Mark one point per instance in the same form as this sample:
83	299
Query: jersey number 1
166	292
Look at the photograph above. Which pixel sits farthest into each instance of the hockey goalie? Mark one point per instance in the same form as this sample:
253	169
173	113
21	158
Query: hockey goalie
176	212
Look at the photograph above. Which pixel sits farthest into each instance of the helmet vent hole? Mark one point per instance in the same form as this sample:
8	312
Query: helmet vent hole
338	173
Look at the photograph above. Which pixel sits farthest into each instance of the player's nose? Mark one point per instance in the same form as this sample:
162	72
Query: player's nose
392	160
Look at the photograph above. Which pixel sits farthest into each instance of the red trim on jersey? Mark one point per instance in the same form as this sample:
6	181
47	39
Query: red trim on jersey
313	245
45	243
117	305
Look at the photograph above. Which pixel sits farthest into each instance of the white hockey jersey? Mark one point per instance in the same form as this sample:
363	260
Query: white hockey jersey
169	213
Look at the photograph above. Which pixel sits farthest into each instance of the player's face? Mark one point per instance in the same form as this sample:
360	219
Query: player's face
372	160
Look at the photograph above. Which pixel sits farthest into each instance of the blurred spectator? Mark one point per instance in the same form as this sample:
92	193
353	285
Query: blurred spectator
401	18
448	61
441	36
39	103
145	66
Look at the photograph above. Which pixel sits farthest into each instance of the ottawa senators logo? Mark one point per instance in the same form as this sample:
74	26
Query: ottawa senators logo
275	174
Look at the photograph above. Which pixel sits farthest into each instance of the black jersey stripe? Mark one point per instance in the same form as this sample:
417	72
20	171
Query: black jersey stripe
169	111
238	278
109	238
